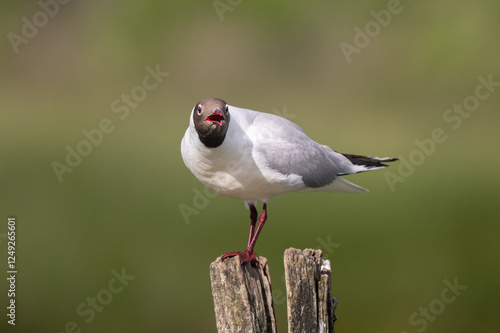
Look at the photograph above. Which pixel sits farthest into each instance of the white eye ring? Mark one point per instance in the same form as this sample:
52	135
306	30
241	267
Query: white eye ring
226	110
198	109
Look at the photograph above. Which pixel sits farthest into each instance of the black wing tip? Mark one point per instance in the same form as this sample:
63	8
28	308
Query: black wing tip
369	161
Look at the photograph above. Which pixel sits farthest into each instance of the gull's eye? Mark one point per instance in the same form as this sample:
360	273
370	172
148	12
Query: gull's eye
198	109
226	110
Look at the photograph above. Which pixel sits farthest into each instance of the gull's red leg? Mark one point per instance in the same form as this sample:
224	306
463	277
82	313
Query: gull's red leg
253	221
248	255
262	220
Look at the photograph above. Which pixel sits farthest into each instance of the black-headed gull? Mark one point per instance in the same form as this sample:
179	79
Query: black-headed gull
254	156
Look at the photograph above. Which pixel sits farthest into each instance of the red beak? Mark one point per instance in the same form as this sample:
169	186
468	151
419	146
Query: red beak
216	117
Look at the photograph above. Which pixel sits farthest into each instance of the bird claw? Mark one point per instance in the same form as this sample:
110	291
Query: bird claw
244	256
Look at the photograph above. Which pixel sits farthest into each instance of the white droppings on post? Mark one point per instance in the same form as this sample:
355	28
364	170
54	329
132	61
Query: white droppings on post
325	265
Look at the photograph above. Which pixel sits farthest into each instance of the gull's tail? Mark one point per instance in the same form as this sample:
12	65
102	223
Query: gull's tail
367	163
359	164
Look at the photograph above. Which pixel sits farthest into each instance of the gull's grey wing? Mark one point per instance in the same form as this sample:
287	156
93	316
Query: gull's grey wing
288	150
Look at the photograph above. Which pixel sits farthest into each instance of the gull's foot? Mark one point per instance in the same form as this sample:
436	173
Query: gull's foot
244	256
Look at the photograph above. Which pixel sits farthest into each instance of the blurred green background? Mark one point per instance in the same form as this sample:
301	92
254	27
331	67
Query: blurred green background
391	249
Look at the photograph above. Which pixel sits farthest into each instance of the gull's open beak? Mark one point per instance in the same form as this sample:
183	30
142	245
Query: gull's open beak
216	118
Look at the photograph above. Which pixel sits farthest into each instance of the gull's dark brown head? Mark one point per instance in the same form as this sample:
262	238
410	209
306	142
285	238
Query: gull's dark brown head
211	121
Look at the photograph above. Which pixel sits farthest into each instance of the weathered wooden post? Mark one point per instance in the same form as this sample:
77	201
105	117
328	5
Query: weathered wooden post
310	306
243	299
242	296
